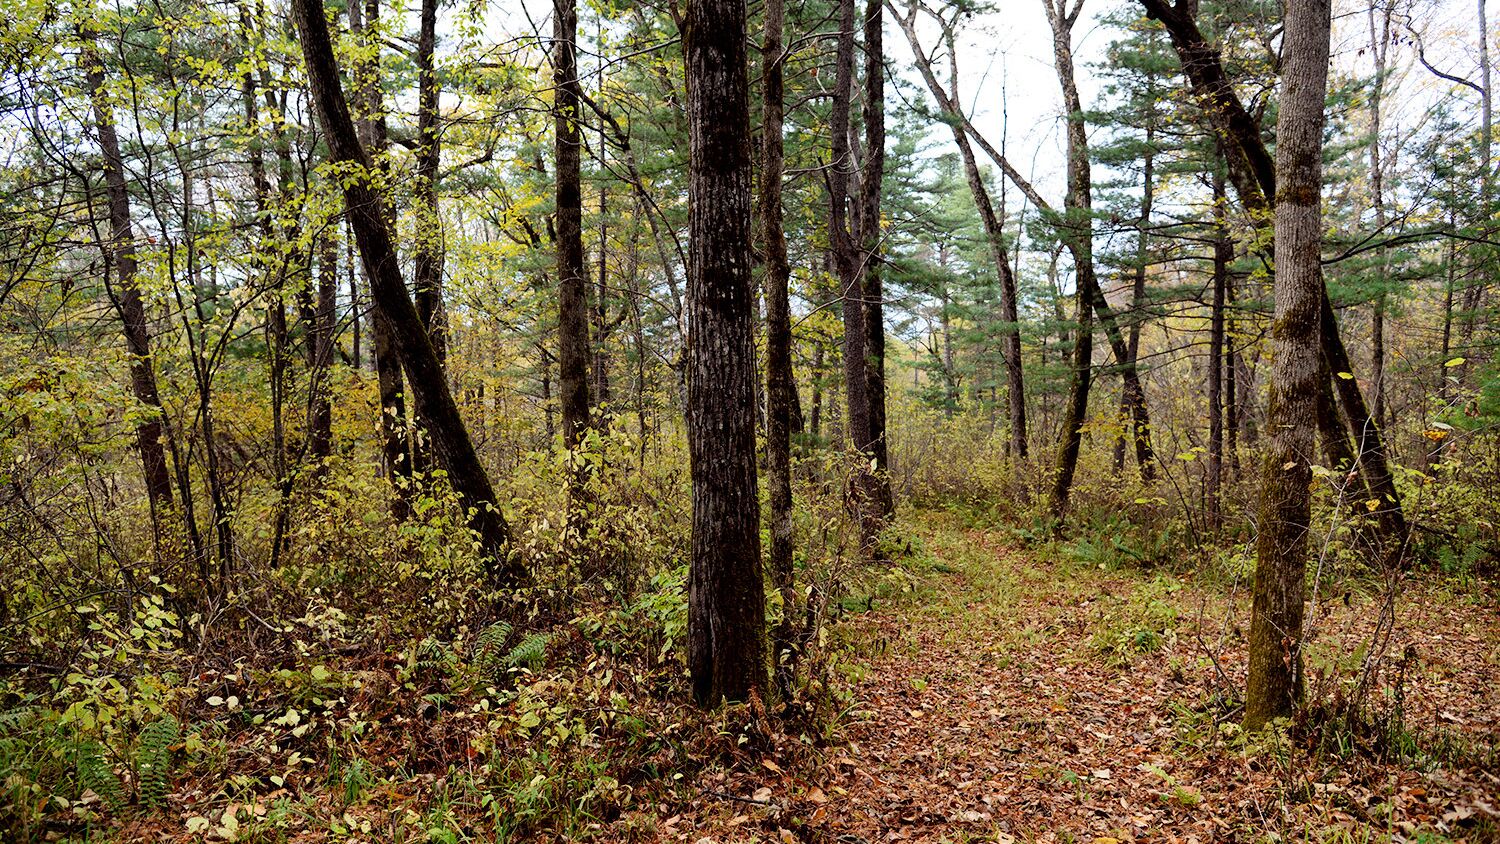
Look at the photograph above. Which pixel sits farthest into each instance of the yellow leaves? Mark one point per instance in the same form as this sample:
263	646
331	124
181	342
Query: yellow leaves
1459	361
1347	376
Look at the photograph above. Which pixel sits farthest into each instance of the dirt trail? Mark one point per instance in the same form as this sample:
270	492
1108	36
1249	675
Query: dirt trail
1019	704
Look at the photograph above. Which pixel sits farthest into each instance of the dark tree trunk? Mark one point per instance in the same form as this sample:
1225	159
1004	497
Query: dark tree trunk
1070	436
780	386
356	353
1078	235
883	503
1232	389
125	295
572	283
367	216
1275	682
841	238
1130	398
427	258
726	595
1223	255
371	128
1337	451
320	350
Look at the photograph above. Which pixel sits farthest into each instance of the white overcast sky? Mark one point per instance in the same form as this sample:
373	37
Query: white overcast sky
1009	50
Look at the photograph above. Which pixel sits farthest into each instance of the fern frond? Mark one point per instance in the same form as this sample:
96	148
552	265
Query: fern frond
153	759
489	649
17	719
433	655
95	774
530	652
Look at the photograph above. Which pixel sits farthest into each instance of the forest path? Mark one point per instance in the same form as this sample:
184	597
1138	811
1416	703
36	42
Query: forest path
1007	707
1014	699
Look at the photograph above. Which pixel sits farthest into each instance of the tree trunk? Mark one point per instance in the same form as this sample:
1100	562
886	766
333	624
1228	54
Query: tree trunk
1070	436
842	238
371	128
869	223
1223	255
726	597
1135	395
1275	683
1078	235
1254	179
780	385
427	258
126	298
367	216
320	350
572	283
948	105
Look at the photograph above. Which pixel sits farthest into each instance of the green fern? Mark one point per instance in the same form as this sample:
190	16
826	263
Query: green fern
153	759
95	774
489	649
433	655
529	652
16	720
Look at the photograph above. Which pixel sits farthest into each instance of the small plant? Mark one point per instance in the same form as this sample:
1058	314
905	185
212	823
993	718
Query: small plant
153	760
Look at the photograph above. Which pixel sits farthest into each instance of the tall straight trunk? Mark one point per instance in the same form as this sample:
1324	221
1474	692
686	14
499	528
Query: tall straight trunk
1070	435
125	295
427	257
842	238
572	283
870	184
780	384
948	106
1275	682
367	216
1255	179
1380	38
320	350
1138	297
726	597
1232	388
599	314
1223	255
371	129
1078	235
355	351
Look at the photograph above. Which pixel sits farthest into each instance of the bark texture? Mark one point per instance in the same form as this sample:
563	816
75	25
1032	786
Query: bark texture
780	386
125	294
726	596
871	180
427	255
572	281
1275	682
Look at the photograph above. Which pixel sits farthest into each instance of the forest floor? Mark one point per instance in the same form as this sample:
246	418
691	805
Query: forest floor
977	690
1012	699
